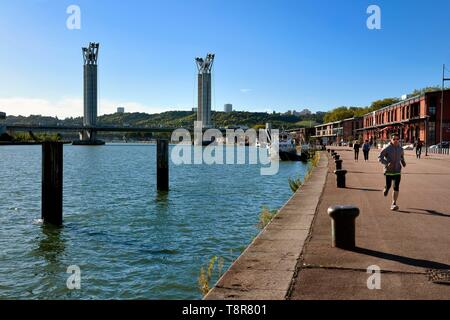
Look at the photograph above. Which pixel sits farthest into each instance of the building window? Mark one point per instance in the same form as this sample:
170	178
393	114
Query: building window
431	133
432	111
432	106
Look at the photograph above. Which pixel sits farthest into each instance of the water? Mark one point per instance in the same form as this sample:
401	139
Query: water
129	241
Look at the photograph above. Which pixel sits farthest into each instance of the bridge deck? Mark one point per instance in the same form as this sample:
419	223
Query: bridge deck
99	128
96	128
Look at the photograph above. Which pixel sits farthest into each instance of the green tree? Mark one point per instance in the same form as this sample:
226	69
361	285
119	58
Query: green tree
417	92
339	113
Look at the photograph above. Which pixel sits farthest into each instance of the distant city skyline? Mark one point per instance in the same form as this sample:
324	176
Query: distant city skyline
270	56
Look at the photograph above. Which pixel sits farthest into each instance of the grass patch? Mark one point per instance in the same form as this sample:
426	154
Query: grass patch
295	183
207	273
265	217
315	159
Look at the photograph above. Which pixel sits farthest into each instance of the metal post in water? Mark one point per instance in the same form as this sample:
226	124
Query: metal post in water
52	183
162	160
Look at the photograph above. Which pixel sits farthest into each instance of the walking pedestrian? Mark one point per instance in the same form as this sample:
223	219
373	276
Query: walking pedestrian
356	147
392	157
419	146
366	149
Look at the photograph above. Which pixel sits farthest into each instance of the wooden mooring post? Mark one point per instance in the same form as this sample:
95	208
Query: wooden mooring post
52	183
162	161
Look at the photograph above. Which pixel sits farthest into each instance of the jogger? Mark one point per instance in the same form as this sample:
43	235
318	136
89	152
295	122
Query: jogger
392	157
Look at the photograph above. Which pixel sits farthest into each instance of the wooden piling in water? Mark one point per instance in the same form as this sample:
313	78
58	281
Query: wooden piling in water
162	160
52	183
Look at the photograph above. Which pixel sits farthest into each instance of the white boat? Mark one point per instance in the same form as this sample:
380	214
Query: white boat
285	149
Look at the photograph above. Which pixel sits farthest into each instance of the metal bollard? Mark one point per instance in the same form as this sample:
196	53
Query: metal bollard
340	177
338	163
343	226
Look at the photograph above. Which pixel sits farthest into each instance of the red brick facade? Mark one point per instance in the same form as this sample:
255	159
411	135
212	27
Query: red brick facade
339	131
411	119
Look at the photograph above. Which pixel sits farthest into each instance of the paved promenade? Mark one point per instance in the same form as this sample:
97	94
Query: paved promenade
292	258
404	244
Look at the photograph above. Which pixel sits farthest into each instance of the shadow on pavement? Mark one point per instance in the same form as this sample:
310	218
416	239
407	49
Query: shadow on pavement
427	173
364	189
377	173
401	259
380	173
427	212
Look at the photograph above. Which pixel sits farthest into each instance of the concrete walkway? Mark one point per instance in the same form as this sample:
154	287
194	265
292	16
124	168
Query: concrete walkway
404	244
265	270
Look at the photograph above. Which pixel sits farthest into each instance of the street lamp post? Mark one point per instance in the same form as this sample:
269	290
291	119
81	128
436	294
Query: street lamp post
426	135
442	103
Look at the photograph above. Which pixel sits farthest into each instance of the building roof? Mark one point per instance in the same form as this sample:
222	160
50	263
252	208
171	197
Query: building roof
405	101
339	121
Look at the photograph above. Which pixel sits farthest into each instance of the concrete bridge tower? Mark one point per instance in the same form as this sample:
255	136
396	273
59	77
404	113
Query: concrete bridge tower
204	67
90	56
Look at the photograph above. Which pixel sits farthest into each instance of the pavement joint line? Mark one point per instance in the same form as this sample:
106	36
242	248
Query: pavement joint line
234	288
240	289
313	266
301	258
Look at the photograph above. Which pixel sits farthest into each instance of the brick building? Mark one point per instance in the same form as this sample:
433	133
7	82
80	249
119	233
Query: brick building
302	135
415	118
339	131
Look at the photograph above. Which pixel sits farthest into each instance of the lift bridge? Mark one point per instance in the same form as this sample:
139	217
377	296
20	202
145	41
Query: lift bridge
88	131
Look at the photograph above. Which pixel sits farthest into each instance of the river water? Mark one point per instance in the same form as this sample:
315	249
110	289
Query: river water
129	241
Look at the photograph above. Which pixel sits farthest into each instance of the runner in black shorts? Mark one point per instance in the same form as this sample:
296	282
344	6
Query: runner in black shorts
393	158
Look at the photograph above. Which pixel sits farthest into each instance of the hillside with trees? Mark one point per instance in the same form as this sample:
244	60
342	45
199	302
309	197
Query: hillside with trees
176	119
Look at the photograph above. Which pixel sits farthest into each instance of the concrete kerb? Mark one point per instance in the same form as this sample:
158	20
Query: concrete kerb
277	248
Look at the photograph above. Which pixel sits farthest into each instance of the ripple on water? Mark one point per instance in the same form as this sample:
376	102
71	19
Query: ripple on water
129	241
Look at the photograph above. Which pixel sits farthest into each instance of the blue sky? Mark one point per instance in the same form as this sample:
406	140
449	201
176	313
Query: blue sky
270	55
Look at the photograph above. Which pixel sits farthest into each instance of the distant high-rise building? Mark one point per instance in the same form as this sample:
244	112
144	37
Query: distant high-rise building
305	112
228	107
120	110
